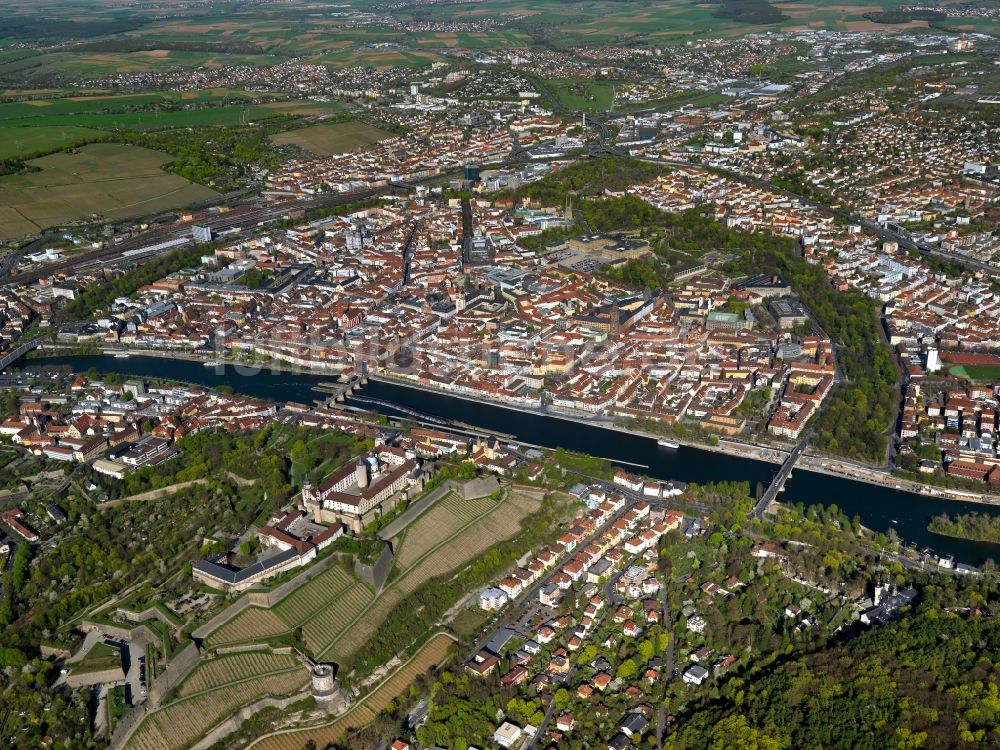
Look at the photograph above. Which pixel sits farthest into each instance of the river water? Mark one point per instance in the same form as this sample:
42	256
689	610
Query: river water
879	508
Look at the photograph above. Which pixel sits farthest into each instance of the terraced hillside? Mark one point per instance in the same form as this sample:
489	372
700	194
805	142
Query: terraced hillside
338	613
431	655
213	692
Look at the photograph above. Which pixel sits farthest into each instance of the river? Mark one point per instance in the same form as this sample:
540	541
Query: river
879	508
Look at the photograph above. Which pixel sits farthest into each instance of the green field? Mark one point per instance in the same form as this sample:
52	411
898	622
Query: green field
111	180
32	127
988	373
154	119
22	141
76	105
336	138
581	94
266	33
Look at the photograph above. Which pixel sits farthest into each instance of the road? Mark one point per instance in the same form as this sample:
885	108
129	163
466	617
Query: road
101	711
519	613
134	656
15	354
778	483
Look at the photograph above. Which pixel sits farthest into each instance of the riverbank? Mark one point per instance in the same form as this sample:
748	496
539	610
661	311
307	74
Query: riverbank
726	446
879	505
964	538
241	367
766	453
858	473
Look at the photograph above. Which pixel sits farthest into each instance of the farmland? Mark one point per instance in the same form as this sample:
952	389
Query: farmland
429	656
466	542
17	142
151	119
34	126
445	517
336	138
339	614
111	180
75	105
178	725
310	607
233	668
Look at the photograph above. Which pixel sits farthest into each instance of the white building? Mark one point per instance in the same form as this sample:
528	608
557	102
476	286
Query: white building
491	599
695	675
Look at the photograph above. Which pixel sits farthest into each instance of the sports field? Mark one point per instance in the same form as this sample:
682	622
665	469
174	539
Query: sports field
335	138
111	180
429	656
976	372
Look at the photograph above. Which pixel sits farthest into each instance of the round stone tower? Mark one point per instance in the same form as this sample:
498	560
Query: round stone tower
324	686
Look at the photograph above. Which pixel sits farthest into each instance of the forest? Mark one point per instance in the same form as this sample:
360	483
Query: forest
906	684
146	545
981	527
587	177
218	157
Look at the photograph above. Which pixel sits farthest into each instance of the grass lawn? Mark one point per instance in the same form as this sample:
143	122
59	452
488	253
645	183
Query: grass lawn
116	705
583	94
336	138
468	622
101	657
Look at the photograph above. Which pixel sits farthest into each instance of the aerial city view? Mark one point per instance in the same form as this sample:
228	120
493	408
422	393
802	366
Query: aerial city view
520	374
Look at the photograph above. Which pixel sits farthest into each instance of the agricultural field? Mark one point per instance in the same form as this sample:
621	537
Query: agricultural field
76	105
62	66
339	614
263	34
432	654
17	142
180	724
304	107
325	602
379	57
445	517
466	542
230	668
31	127
252	624
110	180
152	119
335	138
